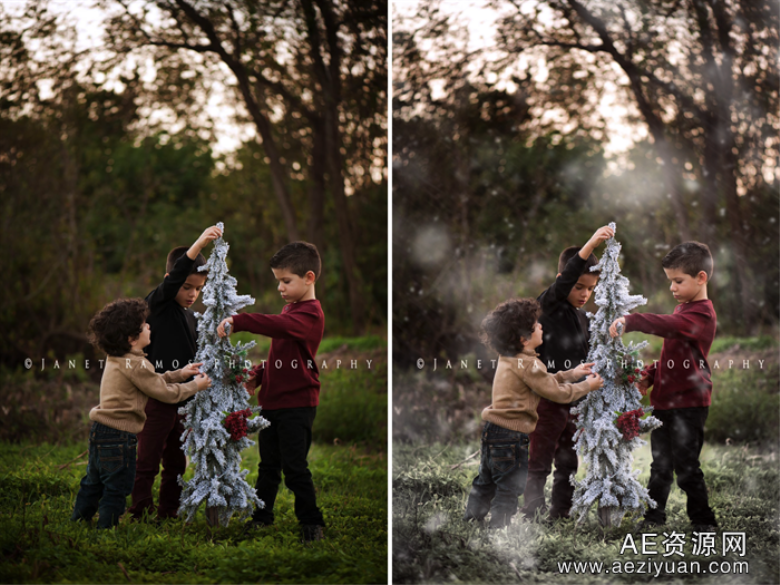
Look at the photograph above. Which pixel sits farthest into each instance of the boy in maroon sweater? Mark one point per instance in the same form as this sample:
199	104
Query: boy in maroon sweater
289	386
682	386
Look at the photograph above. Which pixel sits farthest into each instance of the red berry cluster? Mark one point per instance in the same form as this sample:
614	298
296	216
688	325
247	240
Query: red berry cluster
632	377
628	423
235	423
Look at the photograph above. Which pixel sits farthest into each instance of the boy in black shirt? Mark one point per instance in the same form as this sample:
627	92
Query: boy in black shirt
564	346
173	345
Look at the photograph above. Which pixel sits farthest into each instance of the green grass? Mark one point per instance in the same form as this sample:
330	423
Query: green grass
365	343
353	406
726	343
431	544
39	544
745	403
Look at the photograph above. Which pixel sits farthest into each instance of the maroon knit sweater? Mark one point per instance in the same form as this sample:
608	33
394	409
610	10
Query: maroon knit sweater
290	377
681	377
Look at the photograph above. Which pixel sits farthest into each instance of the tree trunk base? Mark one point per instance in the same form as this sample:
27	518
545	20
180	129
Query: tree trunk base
610	516
212	516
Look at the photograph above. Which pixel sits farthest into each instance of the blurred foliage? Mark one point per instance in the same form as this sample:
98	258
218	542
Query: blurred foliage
353	406
94	193
50	401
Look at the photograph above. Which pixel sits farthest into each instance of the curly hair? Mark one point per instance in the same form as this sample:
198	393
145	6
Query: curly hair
508	324
119	320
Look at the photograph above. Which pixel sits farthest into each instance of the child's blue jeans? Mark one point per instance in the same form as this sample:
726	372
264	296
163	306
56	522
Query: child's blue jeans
503	470
110	476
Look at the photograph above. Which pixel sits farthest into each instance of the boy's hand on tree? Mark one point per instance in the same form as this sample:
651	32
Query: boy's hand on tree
583	370
190	370
600	235
613	330
208	235
203	381
643	384
595	381
251	382
221	327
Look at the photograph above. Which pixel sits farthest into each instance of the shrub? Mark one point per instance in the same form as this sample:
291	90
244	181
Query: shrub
743	412
353	406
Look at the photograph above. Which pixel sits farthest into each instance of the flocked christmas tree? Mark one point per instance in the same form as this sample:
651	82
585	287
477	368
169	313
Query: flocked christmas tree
217	419
611	418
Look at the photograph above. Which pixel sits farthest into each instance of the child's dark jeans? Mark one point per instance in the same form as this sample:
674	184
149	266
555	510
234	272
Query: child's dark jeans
676	447
503	469
110	476
284	447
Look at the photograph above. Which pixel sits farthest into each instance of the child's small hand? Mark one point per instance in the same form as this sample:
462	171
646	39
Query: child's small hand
190	370
601	235
613	328
221	327
251	382
208	235
583	370
203	381
595	381
643	384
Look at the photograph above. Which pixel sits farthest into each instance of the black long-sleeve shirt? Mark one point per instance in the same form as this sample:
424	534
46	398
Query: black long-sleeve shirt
566	338
174	328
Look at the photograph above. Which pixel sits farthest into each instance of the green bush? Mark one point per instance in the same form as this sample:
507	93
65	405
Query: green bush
745	407
365	343
353	406
745	343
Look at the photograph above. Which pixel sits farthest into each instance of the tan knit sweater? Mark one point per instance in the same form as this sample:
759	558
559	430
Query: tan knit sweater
519	383
127	383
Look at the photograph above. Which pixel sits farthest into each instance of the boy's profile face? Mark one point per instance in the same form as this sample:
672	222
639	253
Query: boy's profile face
686	288
190	290
292	287
143	339
536	337
582	290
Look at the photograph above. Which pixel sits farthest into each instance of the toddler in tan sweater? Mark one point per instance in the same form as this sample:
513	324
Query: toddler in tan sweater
120	329
513	330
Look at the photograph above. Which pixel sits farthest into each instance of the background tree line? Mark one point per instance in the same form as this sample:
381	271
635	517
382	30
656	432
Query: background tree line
107	161
498	167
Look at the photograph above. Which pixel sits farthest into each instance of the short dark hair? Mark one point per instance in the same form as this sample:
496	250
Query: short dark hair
119	320
299	258
569	253
691	258
177	253
505	326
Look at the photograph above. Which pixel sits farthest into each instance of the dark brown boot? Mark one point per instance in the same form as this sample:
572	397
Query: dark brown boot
533	497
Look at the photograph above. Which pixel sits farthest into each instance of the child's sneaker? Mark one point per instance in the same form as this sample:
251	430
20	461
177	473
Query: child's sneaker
312	532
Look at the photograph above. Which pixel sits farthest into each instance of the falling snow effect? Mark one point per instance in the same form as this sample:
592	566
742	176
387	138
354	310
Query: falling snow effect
610	480
219	482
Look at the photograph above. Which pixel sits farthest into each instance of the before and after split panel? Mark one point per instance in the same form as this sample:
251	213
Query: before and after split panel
418	291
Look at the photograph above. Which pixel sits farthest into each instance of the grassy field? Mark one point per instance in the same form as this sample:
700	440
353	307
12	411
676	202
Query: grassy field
43	438
431	544
436	428
39	544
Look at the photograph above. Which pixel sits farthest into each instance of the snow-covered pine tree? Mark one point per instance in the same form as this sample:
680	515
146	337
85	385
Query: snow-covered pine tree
215	451
607	454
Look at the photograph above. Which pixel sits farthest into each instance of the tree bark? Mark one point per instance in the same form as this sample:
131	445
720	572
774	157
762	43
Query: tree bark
263	125
329	78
